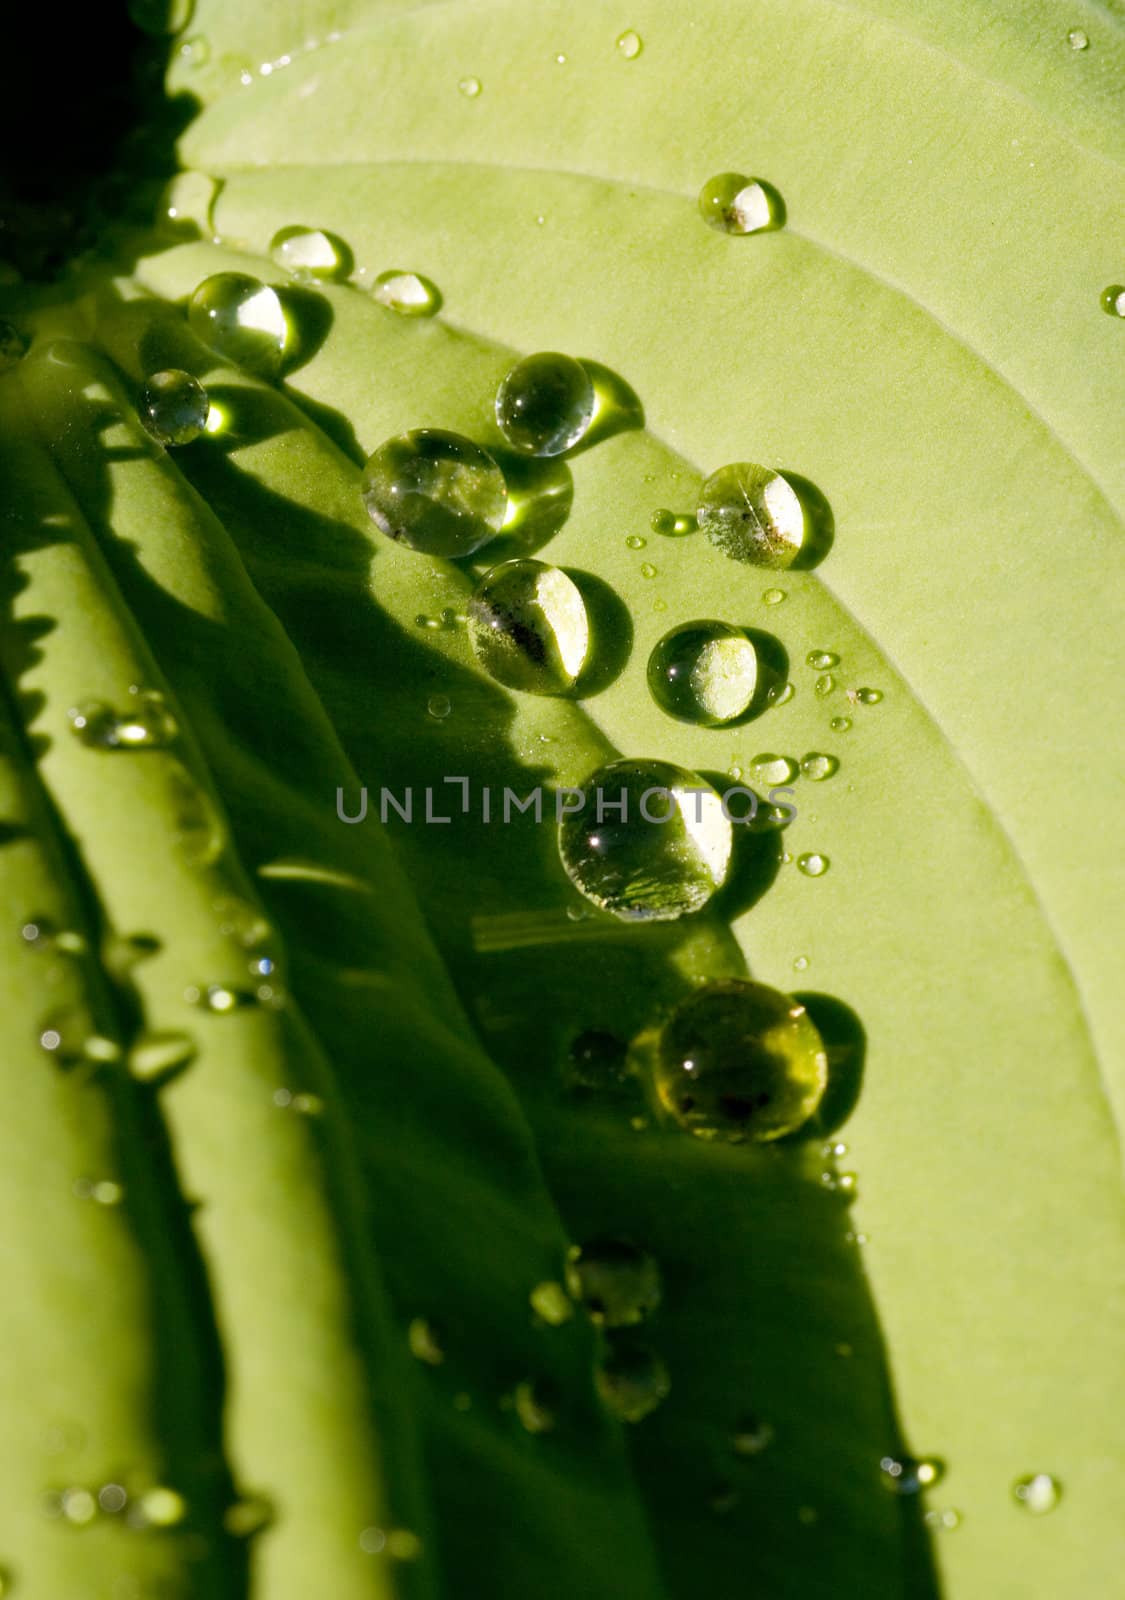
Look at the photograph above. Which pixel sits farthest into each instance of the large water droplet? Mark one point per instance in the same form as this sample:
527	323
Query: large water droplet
629	44
737	204
673	524
241	920
772	770
812	864
311	253
616	1282
528	627
146	725
1038	1493
174	407
13	345
200	831
737	1060
242	320
435	491
816	767
752	514
910	1475
408	293
632	1381
704	672
1113	301
545	404
650	842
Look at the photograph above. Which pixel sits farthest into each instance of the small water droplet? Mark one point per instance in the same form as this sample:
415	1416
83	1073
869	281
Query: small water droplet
249	1515
632	1381
78	1506
772	770
157	1055
751	1436
373	1541
736	204
634	541
910	1475
834	1148
648	570
241	920
528	627
40	933
545	404
773	597
801	964
650	841
1078	39
869	697
435	491
737	1060
847	1184
310	253
816	767
470	87
840	724
779	694
408	293
1113	302
704	672
534	1403
200	831
221	998
560	60
242	320
112	1498
69	1040
824	685
617	1283
673	524
1038	1493
822	659
942	1521
439	707
630	44
196	51
551	1303
812	864
13	345
147	724
752	514
659	605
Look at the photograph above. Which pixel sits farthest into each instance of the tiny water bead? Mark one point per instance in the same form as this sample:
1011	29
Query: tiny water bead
942	1521
673	524
824	686
439	707
648	570
13	345
470	87
752	514
780	694
617	1283
632	1381
648	842
146	725
840	724
435	491
174	407
822	660
242	320
629	44
772	770
738	1060
311	253
812	864
704	672
545	404
773	597
1078	39
221	998
816	767
736	204
408	293
1037	1493
910	1475
635	541
868	697
1113	302
528	627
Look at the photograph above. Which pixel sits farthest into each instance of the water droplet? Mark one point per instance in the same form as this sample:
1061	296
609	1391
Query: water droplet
847	1183
630	44
648	570
634	541
801	964
373	1541
752	515
869	697
241	920
779	694
161	16
673	524
908	1475
196	51
751	1436
408	293
200	831
528	627
824	685
617	1283
425	1342
942	1521
704	672
439	707
13	345
737	204
78	1506
534	1405
1038	1493
69	1040
737	1060
112	1498
773	597
221	998
1078	39
551	1303
812	864
560	60
249	1515
155	1056
470	87
40	933
816	767
659	605
1113	302
435	491
772	771
148	724
310	253
822	659
596	1060
632	1381
545	404
649	842
840	724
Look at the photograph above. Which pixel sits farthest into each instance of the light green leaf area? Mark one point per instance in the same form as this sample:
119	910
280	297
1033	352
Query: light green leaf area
924	343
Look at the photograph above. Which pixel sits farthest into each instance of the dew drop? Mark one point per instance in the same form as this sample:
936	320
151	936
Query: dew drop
779	694
650	841
528	627
773	597
840	724
112	1498
822	659
752	514
241	320
68	1039
617	1283
632	1381
436	492
157	1055
78	1506
869	697
221	998
772	771
648	570
596	1060
1078	39
942	1521
825	685
439	707
751	1436
704	672
801	964
200	831
545	404
634	541
1113	302
408	293
311	253
736	204
249	1515
196	51
812	864
242	921
1037	1493
470	87
40	933
148	724
673	524
629	44
737	1060
910	1475
551	1303
816	767
13	345
534	1404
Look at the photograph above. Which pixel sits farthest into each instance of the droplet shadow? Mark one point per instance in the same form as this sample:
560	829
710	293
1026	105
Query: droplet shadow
611	633
617	408
820	524
845	1043
755	856
540	496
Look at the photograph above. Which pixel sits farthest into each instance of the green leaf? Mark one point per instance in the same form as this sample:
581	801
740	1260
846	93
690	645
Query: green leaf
924	343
